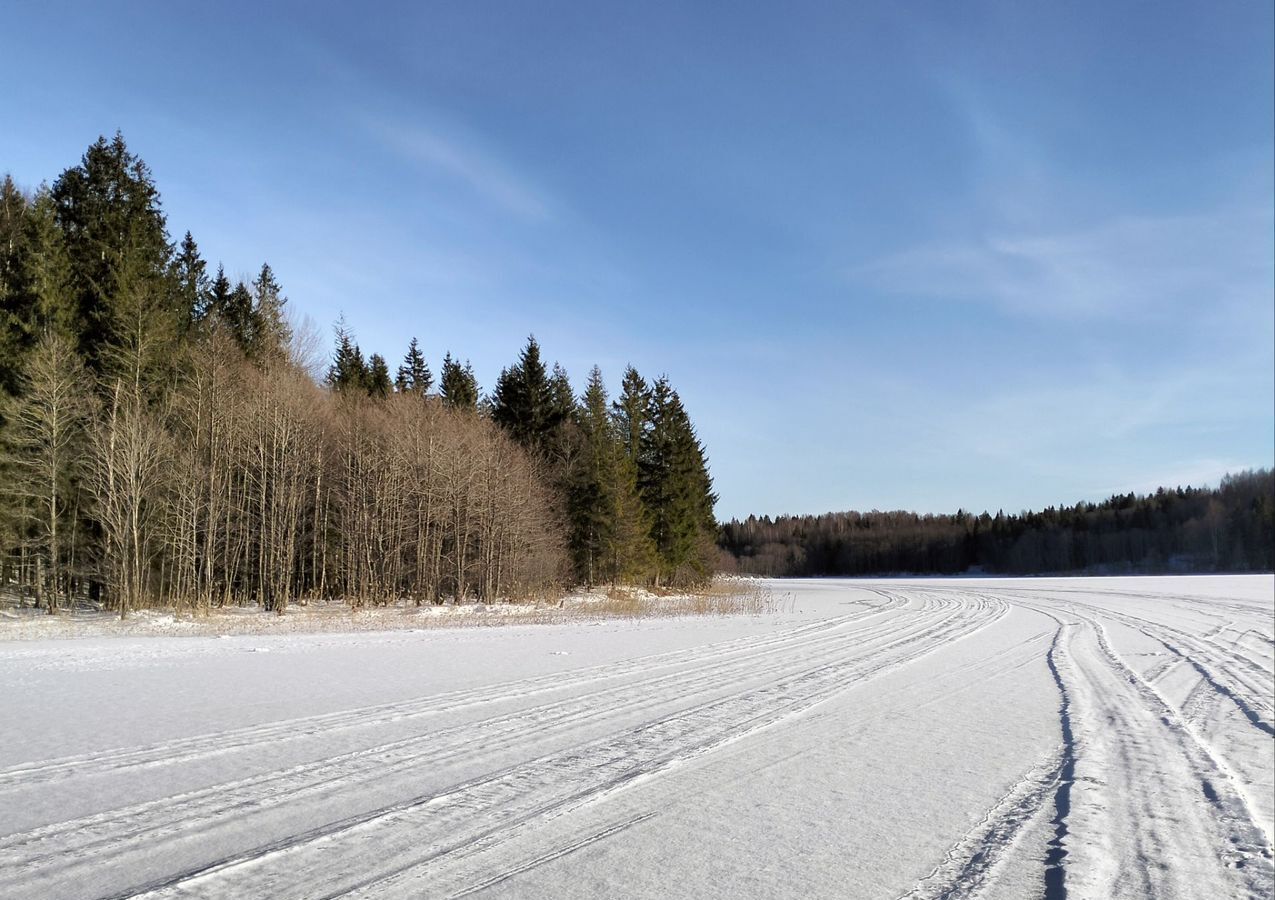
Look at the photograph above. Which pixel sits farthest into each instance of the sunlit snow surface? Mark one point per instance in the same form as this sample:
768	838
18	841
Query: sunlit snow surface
997	738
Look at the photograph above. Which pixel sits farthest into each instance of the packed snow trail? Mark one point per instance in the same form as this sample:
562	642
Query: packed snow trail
997	738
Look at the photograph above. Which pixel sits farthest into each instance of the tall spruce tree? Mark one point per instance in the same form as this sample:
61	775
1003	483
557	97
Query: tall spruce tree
530	404
271	332
38	296
610	539
13	206
348	372
237	317
15	302
562	403
677	490
521	397
590	506
108	209
561	442
190	282
414	376
631	550
458	385
14	313
46	270
379	385
632	412
213	312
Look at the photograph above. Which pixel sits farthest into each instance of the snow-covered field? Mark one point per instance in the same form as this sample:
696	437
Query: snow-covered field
996	738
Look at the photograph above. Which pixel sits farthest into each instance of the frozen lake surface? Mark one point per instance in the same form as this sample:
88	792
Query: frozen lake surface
1098	737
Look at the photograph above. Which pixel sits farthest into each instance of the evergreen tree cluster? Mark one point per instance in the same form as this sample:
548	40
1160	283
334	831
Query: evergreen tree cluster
633	475
630	477
162	442
1230	528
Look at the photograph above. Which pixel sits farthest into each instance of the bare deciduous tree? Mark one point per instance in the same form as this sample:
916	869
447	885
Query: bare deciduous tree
45	436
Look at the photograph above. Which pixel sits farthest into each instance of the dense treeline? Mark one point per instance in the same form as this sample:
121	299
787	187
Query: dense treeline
1227	529
165	440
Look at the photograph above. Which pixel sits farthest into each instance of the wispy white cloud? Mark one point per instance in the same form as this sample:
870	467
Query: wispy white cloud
1045	238
463	160
1020	423
1126	266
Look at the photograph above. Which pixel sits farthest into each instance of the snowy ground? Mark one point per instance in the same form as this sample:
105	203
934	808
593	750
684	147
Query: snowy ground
727	595
996	738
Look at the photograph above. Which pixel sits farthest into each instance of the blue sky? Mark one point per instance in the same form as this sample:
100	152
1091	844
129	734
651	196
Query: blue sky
893	255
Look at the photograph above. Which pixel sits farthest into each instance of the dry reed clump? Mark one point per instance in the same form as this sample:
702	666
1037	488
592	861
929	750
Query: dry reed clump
723	597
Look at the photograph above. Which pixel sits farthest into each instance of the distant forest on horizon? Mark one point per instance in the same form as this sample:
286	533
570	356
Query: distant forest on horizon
1230	528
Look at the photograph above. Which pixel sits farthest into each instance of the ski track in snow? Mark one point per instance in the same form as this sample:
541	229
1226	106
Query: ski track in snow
225	742
1157	781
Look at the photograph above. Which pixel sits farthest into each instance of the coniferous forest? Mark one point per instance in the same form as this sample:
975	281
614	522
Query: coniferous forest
1227	529
168	440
